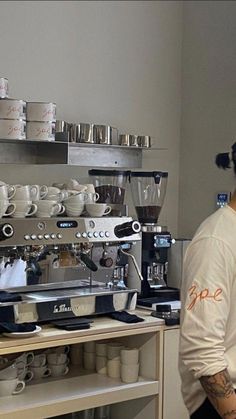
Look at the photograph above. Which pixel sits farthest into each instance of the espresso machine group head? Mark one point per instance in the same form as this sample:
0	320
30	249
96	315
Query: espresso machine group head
148	190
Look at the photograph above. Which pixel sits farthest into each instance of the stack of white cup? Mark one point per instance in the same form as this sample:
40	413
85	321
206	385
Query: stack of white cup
12	115
101	357
58	361
113	359
41	117
129	365
89	356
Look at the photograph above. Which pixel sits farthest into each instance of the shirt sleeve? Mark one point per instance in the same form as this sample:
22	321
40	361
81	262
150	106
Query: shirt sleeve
208	276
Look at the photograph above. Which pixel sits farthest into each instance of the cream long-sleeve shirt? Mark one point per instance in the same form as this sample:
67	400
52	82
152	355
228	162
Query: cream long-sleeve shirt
208	313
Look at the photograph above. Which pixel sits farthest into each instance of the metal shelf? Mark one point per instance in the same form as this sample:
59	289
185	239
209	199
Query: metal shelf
60	152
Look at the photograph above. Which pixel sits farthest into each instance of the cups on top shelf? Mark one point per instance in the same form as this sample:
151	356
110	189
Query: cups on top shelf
41	117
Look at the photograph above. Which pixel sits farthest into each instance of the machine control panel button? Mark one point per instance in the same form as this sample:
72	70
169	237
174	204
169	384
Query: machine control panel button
95	234
53	236
46	236
84	234
40	237
90	235
27	237
33	236
78	235
107	234
59	236
101	234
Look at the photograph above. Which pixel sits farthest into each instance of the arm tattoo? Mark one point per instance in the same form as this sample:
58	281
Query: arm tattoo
218	385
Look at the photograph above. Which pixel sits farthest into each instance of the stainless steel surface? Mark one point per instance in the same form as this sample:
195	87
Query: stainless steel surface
134	141
105	134
60	152
101	155
135	263
124	140
83	133
46	306
32	152
153	228
62	230
144	141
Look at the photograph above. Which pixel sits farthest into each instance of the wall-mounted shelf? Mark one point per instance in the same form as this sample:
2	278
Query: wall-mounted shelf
59	152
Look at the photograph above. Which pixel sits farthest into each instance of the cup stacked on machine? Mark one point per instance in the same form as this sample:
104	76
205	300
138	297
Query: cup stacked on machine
12	114
41	117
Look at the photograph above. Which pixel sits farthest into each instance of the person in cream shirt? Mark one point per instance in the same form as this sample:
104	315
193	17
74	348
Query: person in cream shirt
207	362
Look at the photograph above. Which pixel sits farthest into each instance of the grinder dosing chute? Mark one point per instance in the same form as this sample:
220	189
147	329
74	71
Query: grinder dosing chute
148	192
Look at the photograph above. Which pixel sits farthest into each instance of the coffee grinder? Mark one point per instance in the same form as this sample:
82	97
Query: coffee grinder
148	192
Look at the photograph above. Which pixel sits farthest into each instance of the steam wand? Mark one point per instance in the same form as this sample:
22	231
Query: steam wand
134	262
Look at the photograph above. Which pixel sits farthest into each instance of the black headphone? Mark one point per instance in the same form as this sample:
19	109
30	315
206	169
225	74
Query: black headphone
223	160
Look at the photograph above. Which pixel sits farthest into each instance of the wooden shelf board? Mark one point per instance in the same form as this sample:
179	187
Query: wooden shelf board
65	395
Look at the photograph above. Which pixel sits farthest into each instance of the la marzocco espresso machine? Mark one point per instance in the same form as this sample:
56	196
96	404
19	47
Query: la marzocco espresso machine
148	192
71	267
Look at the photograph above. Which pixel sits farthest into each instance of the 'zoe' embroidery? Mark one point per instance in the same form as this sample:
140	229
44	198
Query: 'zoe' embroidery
202	295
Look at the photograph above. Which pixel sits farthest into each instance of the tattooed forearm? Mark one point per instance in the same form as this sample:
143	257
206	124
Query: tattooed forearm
218	385
220	391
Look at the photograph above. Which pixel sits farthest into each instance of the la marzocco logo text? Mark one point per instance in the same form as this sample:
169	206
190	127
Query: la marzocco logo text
62	308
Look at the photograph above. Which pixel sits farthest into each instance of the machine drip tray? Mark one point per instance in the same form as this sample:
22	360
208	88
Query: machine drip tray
163	295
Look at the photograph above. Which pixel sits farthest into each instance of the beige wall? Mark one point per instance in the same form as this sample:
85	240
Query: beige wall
209	107
115	62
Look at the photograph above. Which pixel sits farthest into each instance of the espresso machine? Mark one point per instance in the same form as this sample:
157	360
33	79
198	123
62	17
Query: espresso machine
70	265
148	192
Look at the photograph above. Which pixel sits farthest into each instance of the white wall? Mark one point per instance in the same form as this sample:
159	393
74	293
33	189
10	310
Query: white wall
209	107
115	62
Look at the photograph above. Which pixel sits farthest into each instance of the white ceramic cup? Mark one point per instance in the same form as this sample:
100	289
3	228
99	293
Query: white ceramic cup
78	198
26	359
58	369
114	349
46	208
97	210
74	210
113	367
101	348
56	194
129	373
57	358
76	354
41	111
90	346
43	131
90	188
89	360
40	372
7	208
39	360
9	372
25	375
7	192
92	197
129	356
12	109
12	129
101	365
63	349
25	192
23	209
38	192
11	387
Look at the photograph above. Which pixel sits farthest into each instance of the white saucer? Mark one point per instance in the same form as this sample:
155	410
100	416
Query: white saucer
23	334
